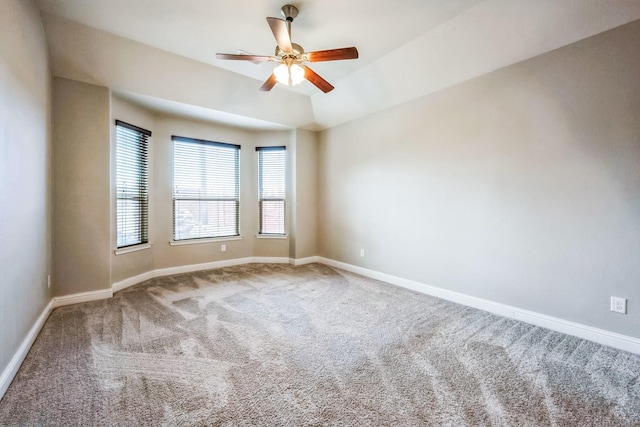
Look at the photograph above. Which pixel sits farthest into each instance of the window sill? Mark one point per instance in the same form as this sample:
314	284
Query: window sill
198	241
271	236
130	249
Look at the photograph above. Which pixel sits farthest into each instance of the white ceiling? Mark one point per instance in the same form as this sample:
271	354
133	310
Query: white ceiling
408	48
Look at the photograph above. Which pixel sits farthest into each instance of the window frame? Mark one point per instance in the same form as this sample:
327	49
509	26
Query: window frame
175	197
261	199
141	195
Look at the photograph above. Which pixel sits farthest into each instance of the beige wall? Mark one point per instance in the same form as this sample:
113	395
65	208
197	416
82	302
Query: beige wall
306	193
25	148
81	178
520	186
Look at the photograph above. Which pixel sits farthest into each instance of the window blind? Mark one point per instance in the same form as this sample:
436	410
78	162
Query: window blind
132	185
272	189
206	189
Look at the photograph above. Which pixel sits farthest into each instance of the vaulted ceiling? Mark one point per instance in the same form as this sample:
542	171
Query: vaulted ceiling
161	53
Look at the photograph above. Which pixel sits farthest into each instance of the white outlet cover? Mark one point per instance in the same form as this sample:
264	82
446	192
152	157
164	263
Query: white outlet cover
619	305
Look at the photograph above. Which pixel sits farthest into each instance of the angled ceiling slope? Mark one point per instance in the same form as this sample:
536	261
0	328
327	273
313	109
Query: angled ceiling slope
163	53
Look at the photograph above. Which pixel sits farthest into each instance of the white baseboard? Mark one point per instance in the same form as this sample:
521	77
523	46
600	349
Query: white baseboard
270	260
82	297
303	261
181	269
212	265
118	286
601	336
14	364
123	284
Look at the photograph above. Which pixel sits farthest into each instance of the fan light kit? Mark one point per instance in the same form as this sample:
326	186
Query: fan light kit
289	74
292	57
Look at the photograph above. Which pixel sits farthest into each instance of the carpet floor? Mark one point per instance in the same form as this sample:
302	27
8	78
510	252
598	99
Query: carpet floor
265	344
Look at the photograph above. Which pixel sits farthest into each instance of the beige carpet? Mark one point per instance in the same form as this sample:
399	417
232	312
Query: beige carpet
281	345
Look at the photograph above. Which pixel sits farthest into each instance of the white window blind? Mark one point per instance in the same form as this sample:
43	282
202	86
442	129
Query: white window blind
272	189
206	189
132	185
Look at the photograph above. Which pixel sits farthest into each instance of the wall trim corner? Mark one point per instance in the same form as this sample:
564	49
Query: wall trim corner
16	361
82	297
303	261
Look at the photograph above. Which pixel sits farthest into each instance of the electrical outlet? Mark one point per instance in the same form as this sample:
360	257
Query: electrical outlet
223	248
619	305
49	281
362	253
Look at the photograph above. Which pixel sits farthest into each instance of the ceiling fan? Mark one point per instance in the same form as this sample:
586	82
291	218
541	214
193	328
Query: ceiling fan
292	57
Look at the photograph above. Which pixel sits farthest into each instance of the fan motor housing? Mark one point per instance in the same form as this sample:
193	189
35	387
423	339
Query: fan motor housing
297	50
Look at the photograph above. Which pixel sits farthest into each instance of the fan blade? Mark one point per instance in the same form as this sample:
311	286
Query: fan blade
254	58
318	81
269	84
333	54
281	33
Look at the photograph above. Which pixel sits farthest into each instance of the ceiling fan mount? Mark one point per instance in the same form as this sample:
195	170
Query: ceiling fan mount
292	57
289	12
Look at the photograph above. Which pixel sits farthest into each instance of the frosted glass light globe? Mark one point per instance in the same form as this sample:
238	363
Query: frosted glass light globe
282	74
289	76
297	74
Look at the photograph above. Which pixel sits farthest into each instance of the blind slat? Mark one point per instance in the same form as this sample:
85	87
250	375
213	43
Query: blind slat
272	189
206	189
132	189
